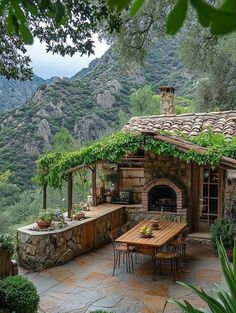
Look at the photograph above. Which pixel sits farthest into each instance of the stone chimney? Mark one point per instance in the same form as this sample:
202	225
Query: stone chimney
167	103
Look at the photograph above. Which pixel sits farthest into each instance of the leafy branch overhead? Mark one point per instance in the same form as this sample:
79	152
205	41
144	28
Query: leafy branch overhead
20	15
29	18
52	168
220	20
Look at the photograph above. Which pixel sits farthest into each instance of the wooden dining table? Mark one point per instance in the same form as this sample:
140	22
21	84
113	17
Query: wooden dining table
166	231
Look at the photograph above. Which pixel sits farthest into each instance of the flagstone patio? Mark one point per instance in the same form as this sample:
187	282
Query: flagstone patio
85	284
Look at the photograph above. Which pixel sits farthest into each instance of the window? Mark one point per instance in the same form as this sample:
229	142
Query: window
209	198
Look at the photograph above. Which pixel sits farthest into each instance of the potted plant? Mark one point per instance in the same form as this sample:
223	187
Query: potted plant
224	229
6	252
45	219
78	211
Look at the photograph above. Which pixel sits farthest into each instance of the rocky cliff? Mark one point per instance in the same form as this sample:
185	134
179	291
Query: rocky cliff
88	104
14	93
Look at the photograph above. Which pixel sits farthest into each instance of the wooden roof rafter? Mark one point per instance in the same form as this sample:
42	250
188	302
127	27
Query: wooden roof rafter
79	167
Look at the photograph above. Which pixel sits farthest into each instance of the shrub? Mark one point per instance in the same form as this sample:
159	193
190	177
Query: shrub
7	243
225	229
18	294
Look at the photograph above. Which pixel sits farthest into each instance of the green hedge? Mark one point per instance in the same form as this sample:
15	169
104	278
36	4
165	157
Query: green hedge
19	295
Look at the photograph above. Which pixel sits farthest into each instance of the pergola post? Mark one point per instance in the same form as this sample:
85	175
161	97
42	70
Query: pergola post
70	194
94	185
44	197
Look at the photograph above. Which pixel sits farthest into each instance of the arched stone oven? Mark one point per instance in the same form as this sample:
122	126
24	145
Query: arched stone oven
162	194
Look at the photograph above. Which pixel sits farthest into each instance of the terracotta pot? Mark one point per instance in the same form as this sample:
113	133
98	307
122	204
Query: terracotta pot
229	253
5	264
79	215
43	224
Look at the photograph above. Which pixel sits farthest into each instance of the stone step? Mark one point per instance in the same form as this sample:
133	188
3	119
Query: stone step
197	237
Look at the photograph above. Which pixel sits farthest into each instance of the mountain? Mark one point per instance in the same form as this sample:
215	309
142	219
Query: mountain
14	93
87	105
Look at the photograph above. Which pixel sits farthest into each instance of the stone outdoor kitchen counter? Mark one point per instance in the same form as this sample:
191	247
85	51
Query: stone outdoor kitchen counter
38	250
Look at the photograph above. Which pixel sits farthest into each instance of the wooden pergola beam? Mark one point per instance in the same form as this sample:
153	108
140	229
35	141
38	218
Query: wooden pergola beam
76	168
44	197
70	194
94	184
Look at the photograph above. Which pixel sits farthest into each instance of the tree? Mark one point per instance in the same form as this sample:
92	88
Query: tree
63	141
144	102
218	16
9	192
65	26
214	61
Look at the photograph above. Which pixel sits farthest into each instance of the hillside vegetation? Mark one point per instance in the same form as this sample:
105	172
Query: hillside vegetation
14	93
88	105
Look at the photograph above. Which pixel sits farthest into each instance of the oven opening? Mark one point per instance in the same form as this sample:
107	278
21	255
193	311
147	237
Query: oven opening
162	198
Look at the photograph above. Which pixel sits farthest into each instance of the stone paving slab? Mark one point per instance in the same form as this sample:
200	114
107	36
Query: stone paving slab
85	284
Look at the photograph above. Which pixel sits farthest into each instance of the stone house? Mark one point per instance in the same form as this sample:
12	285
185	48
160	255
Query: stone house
158	183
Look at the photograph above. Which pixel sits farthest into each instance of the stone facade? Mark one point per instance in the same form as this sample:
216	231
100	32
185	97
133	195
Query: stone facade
38	251
157	169
229	200
166	182
167	104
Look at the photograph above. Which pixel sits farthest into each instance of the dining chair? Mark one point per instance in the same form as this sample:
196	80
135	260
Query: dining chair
172	256
124	251
180	241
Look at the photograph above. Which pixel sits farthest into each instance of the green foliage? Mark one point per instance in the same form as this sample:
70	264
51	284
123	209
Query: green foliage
5	177
220	20
19	295
224	229
223	300
63	141
213	59
52	168
9	192
144	102
46	216
24	210
52	22
7	243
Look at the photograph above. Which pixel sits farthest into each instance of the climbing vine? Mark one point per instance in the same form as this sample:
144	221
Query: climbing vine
52	168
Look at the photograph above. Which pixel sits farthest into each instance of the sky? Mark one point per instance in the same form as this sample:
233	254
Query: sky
47	65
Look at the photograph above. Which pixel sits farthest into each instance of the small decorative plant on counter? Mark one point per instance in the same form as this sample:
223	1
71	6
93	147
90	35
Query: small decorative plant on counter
6	252
59	217
78	213
45	219
145	231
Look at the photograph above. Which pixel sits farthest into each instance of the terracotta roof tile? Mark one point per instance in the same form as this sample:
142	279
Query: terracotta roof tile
192	124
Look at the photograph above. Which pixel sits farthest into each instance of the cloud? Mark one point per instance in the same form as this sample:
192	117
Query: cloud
47	65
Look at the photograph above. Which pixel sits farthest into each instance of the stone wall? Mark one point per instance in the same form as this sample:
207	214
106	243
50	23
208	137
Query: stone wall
157	167
38	251
229	197
177	171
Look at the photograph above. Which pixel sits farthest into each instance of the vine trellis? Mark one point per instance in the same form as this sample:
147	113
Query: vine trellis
52	168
